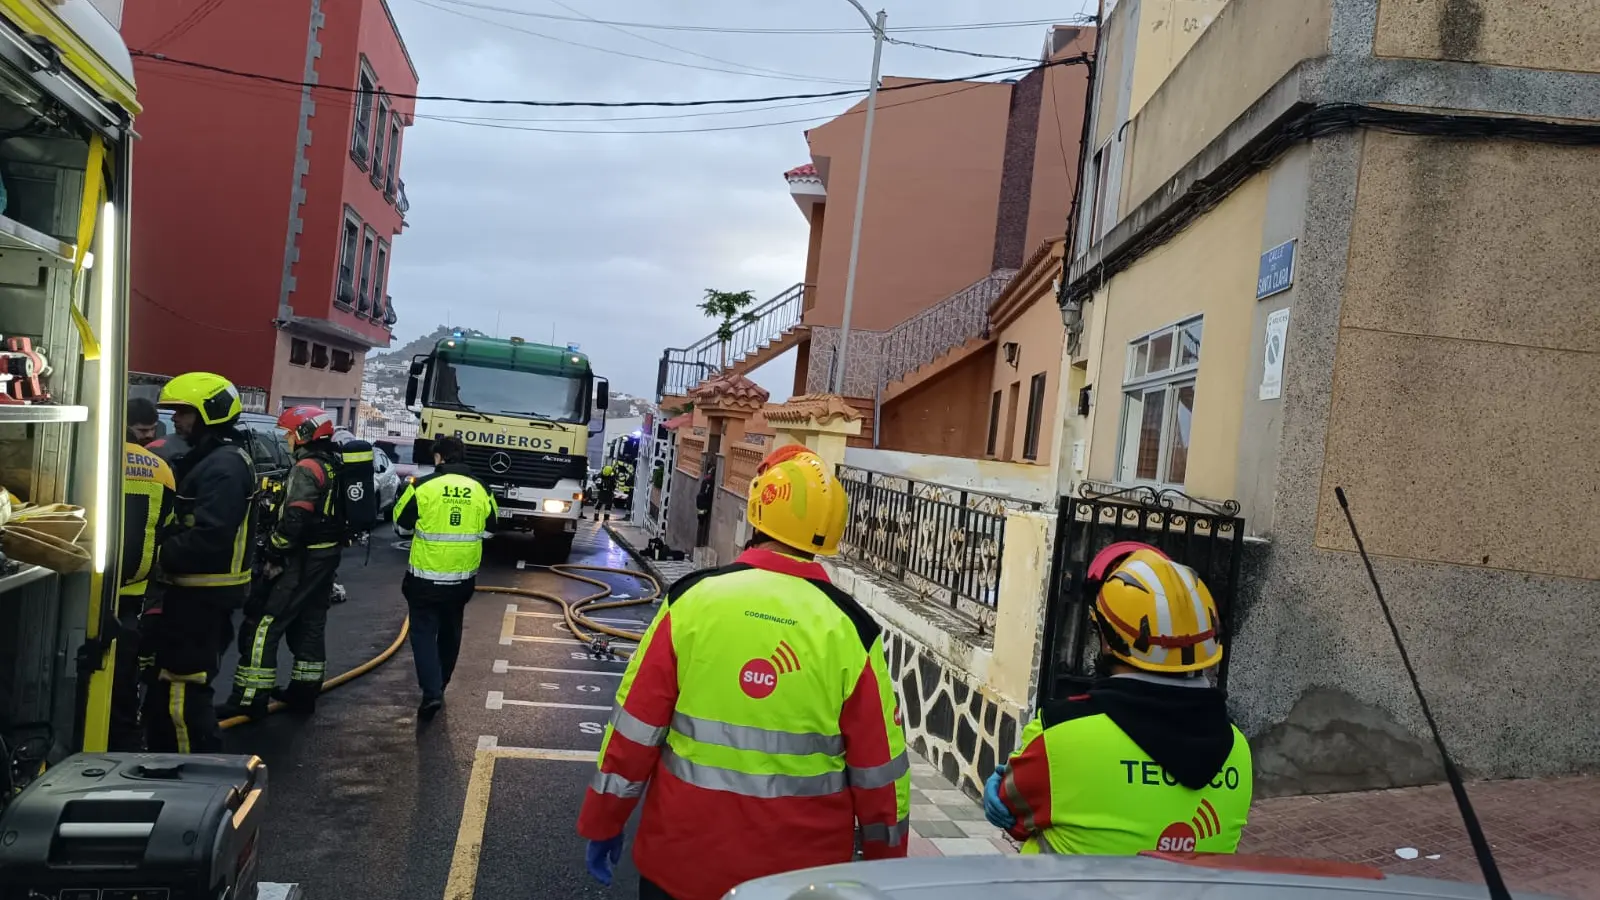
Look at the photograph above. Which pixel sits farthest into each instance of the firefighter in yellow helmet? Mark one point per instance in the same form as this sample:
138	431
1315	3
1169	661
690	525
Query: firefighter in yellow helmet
203	564
759	711
1146	759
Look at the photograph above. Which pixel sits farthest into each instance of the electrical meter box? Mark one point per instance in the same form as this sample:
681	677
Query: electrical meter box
133	826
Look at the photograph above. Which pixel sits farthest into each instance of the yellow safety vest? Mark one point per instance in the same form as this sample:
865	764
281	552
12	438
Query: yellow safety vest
148	490
1108	798
452	512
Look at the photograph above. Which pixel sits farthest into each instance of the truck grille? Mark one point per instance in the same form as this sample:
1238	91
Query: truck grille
528	468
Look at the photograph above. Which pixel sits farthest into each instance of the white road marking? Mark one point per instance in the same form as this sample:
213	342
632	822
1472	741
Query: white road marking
540	639
501	667
498	700
544	615
490	744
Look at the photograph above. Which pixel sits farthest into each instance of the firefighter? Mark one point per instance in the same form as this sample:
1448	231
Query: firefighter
203	564
148	494
759	711
448	512
605	489
290	598
1147	758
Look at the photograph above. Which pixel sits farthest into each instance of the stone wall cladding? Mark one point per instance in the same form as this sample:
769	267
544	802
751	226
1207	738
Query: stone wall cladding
962	730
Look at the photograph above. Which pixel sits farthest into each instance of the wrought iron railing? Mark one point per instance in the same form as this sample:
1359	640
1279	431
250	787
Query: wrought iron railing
1207	536
681	368
403	204
937	539
940	328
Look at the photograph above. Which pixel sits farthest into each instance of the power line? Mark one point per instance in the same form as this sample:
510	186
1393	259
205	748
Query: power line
649	40
187	23
956	51
622	53
722	29
600	104
186	316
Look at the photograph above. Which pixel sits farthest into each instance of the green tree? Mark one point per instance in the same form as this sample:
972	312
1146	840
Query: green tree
728	309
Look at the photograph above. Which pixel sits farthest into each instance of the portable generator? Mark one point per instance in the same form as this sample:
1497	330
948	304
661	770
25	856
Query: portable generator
135	826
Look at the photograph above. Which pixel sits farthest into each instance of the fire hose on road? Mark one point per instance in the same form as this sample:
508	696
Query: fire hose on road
584	630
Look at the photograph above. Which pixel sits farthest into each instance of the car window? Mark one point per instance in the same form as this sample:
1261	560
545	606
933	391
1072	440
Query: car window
380	460
267	447
402	454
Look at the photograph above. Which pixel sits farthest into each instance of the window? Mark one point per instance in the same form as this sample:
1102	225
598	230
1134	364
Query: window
364	294
349	246
360	140
377	140
1030	432
1158	404
319	356
394	154
1091	202
380	278
343	360
994	423
299	352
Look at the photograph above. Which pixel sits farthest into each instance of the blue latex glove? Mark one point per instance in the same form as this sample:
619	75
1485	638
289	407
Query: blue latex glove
602	856
994	810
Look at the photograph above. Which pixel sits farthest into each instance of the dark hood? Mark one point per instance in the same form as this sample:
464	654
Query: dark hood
1185	730
454	468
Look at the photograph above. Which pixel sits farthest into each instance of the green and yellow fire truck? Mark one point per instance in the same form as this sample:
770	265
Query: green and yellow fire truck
523	411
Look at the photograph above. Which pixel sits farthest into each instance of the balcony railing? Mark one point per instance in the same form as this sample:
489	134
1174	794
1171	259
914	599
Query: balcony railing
683	368
402	203
941	541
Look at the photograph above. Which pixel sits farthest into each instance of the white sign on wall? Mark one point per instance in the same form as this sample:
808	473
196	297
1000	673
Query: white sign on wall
1272	371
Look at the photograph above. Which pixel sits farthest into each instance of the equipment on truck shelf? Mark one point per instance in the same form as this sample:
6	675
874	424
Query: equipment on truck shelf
523	412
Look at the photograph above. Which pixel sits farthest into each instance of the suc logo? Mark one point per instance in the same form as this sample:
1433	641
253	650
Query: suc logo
758	679
1184	837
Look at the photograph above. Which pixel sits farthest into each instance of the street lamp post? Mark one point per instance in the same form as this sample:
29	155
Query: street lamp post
841	354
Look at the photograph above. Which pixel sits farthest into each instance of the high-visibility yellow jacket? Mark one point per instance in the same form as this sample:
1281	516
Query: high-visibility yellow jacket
447	512
148	494
760	712
1139	763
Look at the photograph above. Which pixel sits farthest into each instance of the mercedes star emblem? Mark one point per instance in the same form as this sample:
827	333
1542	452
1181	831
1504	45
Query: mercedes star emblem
500	462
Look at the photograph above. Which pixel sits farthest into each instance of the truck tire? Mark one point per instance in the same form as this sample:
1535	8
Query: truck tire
559	547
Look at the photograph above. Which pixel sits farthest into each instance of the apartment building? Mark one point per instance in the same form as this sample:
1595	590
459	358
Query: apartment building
266	214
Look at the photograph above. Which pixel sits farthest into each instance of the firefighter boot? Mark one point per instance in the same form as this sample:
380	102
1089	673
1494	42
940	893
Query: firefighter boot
299	696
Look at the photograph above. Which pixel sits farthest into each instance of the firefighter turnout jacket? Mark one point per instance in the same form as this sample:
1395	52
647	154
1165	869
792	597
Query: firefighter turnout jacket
447	512
212	543
759	710
308	516
1140	762
149	493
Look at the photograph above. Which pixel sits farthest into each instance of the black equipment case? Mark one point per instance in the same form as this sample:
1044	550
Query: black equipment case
134	826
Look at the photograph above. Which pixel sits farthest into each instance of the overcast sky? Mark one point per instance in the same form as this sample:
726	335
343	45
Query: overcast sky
609	240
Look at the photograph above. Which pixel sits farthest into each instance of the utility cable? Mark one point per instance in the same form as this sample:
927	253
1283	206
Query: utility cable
904	43
184	25
720	29
1081	59
162	306
622	53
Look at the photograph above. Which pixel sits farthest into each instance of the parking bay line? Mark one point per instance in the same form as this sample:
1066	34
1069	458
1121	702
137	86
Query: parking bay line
497	700
462	882
544	615
502	666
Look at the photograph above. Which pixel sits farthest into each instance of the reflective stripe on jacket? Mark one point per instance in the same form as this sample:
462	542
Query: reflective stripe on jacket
1081	785
760	712
148	493
451	512
213	541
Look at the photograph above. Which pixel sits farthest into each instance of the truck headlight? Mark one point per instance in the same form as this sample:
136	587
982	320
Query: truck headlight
556	506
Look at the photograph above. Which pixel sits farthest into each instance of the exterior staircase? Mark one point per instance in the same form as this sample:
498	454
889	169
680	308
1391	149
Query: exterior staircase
939	336
767	331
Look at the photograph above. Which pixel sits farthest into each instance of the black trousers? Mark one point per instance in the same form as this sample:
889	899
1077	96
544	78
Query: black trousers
293	607
186	639
126	735
436	612
649	890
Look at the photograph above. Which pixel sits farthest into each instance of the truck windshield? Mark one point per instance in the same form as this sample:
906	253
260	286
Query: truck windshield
507	392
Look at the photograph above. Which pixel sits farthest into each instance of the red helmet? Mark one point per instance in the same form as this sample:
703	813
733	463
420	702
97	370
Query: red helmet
305	424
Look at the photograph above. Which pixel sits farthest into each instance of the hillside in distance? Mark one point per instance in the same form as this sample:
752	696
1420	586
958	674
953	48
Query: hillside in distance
388	370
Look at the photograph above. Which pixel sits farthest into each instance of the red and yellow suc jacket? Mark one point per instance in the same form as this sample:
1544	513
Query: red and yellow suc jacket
760	712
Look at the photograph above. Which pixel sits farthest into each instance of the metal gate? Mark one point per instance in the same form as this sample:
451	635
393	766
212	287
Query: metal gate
1206	536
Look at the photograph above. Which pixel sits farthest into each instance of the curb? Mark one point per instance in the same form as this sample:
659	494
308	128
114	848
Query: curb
638	556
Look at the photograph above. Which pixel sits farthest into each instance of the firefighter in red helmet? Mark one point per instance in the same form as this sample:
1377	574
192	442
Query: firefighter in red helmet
299	560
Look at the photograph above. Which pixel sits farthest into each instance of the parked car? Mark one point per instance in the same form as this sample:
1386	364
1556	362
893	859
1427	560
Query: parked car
268	447
402	454
387	480
1103	878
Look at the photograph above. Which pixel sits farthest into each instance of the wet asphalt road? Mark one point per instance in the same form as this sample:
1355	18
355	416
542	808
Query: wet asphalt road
366	804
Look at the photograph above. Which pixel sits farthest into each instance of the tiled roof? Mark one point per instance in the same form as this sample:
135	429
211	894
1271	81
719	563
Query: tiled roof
676	422
729	390
820	408
806	171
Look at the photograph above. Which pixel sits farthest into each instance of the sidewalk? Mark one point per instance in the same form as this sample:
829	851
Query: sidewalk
633	540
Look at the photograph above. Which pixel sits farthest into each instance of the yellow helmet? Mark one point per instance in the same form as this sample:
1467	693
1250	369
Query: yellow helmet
1157	615
212	396
795	500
